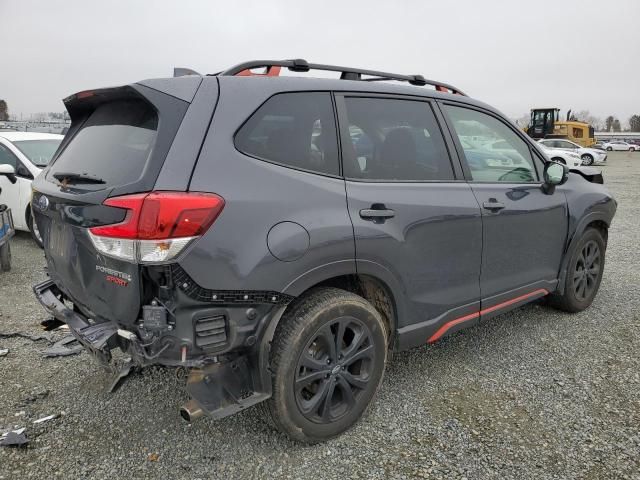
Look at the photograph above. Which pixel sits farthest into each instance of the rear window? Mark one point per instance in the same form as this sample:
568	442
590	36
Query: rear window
295	130
113	145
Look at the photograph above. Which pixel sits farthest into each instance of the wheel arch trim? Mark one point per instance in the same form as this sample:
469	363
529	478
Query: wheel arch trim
575	238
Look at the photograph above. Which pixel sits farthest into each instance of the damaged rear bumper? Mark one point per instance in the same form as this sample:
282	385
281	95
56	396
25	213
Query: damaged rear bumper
94	337
218	388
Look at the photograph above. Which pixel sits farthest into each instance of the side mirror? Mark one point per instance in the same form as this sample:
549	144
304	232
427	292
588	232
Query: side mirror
22	171
554	174
9	172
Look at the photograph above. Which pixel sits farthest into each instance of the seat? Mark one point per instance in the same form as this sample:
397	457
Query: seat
398	156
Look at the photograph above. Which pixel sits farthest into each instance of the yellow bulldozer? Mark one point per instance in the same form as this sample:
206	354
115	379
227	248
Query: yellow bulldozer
545	123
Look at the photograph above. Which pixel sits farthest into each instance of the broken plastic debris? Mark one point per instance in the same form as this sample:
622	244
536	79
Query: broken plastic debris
33	338
13	439
45	419
3	352
60	349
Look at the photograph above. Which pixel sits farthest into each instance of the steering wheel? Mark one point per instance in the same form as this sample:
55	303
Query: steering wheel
523	173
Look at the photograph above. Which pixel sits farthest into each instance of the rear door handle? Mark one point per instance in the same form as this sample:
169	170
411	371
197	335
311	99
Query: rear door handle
376	214
493	206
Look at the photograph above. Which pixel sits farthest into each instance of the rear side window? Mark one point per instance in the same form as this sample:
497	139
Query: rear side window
295	130
113	145
393	140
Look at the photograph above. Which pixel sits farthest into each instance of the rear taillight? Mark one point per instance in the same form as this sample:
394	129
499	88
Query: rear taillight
157	226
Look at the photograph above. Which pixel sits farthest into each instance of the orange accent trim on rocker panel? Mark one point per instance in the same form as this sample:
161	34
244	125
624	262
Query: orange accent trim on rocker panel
451	323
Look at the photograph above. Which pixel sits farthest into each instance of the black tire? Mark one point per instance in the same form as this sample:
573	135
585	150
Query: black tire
631	149
559	160
587	159
609	149
581	283
309	366
5	257
33	229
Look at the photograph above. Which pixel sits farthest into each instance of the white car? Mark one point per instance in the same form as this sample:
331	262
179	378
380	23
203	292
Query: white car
566	157
589	156
619	146
28	153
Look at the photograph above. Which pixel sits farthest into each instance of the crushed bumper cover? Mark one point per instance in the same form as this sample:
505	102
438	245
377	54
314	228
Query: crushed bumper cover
219	389
94	337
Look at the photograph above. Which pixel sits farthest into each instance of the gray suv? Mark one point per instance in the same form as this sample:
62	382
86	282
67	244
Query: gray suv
278	235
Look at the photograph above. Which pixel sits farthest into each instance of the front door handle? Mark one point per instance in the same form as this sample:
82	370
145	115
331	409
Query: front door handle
493	206
379	214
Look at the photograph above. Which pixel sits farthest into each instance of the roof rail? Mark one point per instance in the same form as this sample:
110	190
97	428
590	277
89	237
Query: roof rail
273	68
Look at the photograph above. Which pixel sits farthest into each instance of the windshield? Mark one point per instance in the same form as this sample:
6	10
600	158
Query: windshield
39	152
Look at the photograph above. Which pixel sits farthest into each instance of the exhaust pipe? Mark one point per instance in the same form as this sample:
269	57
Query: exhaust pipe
190	411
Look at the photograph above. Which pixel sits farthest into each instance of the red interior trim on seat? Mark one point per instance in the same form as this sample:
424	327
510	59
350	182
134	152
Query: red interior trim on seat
451	323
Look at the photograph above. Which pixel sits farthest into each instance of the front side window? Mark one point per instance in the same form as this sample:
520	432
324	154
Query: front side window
7	157
295	130
393	140
567	145
501	156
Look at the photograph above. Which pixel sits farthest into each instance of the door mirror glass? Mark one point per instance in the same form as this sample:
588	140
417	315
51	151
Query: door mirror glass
555	173
8	171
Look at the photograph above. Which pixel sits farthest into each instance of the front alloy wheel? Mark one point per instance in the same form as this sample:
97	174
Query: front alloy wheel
587	271
583	274
587	159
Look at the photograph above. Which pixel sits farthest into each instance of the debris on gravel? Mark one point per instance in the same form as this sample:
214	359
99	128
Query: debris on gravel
534	393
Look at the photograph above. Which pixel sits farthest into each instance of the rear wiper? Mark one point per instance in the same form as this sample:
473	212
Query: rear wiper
64	178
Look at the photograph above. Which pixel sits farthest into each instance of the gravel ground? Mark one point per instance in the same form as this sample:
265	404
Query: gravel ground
534	393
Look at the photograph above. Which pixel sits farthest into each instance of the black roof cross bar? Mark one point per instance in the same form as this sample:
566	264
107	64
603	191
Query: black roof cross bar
346	73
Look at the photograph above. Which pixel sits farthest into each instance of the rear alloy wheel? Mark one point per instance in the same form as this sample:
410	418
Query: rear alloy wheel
584	273
609	149
631	149
327	360
587	159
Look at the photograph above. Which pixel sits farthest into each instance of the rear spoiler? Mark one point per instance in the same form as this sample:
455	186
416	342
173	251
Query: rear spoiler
183	72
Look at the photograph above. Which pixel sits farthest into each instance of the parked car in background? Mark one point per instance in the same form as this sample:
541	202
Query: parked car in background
323	223
566	157
589	156
28	153
6	222
619	145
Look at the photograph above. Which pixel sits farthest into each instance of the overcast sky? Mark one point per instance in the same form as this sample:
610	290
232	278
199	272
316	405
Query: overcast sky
515	55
